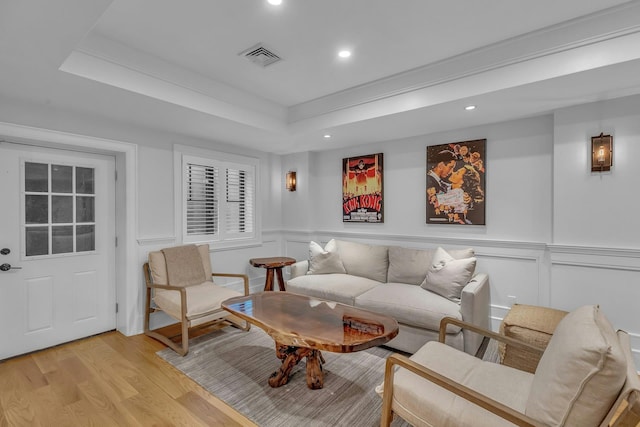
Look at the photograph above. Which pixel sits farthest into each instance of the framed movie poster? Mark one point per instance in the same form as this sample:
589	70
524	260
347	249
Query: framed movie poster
362	199
456	183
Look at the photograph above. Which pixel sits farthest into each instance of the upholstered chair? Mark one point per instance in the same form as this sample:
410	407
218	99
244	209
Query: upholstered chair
584	378
179	283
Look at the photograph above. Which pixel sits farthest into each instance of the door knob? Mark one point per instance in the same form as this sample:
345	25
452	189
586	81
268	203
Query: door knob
7	267
5	251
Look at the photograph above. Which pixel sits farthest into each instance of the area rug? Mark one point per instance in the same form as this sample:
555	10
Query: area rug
235	365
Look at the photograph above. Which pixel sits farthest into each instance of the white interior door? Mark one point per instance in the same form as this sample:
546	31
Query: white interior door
57	247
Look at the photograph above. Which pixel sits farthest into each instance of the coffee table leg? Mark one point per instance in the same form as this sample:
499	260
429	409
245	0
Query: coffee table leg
315	375
290	357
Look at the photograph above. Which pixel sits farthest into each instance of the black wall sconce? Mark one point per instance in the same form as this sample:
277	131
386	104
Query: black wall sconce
290	181
601	153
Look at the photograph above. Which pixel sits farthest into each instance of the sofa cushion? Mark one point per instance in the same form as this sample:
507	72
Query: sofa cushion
324	261
424	403
359	259
342	288
407	265
447	276
580	373
410	305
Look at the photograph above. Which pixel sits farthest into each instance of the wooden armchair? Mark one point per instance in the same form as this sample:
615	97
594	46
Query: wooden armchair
179	283
586	377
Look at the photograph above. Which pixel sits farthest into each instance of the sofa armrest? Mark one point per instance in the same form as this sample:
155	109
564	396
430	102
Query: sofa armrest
475	305
300	268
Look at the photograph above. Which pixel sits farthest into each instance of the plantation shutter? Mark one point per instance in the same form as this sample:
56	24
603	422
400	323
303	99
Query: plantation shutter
202	207
240	195
218	200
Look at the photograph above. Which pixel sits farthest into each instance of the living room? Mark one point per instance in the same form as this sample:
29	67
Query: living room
556	233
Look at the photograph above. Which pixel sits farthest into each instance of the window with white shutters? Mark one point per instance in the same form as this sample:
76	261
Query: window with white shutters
218	201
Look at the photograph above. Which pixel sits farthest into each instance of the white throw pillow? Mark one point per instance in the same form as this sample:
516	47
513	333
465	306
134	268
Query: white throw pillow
448	276
324	261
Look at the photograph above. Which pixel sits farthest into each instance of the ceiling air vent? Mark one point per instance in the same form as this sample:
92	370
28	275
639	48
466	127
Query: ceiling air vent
260	55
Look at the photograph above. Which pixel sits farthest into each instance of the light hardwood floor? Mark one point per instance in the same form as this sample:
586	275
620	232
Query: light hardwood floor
105	380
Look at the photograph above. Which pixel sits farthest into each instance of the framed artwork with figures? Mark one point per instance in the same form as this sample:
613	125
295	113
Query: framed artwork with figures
456	186
362	190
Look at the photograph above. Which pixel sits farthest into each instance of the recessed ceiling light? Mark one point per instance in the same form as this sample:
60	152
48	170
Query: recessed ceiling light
275	2
344	53
326	135
470	107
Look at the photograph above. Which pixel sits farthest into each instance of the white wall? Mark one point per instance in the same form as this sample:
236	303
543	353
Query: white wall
595	255
154	227
556	234
519	159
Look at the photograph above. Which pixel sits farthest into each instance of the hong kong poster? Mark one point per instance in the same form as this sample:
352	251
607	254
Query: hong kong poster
456	183
362	196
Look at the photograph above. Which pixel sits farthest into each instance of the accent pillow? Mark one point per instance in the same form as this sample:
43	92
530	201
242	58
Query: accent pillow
447	276
324	261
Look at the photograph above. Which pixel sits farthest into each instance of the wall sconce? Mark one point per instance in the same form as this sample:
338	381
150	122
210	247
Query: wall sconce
601	153
290	181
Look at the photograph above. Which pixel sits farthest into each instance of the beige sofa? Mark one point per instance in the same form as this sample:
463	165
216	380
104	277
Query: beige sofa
417	287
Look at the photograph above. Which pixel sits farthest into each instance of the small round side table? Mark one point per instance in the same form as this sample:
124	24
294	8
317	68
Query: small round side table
272	264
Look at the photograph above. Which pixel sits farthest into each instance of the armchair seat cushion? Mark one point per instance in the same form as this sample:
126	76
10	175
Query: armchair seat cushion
201	299
410	305
423	403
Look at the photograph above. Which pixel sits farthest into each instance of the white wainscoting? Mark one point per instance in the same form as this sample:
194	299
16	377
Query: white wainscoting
609	277
563	277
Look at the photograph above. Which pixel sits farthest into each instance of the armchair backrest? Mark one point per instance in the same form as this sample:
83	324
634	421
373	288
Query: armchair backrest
580	374
160	273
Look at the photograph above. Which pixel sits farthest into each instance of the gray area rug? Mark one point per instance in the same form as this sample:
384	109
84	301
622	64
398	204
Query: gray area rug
235	365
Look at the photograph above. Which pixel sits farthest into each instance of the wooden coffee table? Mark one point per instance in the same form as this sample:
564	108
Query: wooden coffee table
302	326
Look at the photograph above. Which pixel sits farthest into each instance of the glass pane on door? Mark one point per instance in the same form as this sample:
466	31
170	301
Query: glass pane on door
59	209
62	239
37	241
61	179
36	177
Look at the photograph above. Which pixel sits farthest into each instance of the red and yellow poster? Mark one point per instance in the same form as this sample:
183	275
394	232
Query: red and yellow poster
362	189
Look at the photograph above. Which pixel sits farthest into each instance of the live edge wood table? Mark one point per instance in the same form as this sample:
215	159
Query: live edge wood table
272	264
302	326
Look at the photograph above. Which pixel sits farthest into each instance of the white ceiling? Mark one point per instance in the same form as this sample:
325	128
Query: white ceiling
174	66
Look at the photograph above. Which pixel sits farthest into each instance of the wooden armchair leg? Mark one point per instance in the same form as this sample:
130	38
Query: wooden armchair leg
387	395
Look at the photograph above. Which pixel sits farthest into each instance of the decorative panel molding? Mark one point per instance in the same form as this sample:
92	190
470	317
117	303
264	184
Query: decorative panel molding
85	293
39	307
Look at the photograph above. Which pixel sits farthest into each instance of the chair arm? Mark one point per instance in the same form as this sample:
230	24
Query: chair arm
244	277
485	332
472	396
166	287
183	297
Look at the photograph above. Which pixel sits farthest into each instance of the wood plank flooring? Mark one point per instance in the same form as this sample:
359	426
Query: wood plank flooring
106	380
